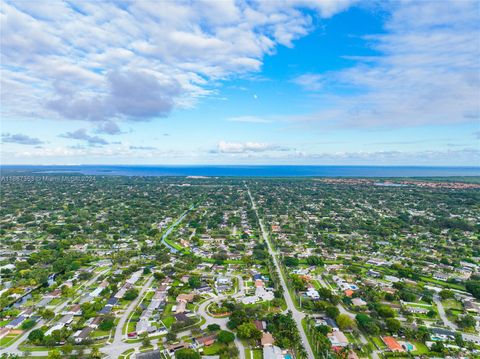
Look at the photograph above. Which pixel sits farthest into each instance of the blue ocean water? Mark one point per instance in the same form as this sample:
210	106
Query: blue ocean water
250	171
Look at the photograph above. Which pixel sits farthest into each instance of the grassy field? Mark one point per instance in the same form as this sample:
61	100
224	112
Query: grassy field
8	339
452	304
378	342
443	284
420	348
168	321
257	353
212	349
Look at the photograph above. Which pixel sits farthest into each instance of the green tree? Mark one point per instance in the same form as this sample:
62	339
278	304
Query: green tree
393	325
385	311
67	349
248	331
225	337
131	294
315	261
473	286
54	354
467	321
171	336
146	340
344	321
47	314
194	281
186	354
437	347
291	261
107	323
36	336
446	294
332	311
213	327
28	324
367	323
95	353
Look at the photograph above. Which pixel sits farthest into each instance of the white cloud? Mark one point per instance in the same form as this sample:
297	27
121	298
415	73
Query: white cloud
428	71
311	82
82	135
79	57
248	119
20	139
246	147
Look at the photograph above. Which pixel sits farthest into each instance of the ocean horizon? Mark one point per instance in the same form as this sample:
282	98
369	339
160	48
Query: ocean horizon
244	170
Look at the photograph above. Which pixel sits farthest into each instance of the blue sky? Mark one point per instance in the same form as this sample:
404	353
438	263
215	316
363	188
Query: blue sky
233	82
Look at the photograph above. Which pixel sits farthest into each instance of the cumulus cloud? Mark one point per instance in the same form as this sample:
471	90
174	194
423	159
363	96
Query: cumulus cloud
109	128
428	71
81	134
20	139
246	147
105	61
131	94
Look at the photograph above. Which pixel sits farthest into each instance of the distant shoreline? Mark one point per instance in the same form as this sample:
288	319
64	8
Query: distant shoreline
244	171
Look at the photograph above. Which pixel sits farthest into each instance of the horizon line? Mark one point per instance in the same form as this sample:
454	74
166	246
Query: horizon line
241	165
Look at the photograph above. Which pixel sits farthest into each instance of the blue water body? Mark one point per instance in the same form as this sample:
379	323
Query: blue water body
251	171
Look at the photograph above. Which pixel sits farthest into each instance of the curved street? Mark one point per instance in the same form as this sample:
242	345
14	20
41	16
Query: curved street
222	322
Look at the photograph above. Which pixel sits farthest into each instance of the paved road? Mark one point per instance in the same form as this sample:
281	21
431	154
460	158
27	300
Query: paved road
296	314
443	315
222	322
117	347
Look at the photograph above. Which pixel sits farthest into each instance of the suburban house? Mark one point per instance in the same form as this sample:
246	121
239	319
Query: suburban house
182	300
338	339
392	344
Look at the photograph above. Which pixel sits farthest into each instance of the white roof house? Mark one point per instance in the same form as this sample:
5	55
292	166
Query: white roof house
312	293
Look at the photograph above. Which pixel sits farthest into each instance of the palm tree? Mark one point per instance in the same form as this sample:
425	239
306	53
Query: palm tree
95	353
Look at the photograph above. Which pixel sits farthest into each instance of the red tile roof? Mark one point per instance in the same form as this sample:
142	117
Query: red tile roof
392	344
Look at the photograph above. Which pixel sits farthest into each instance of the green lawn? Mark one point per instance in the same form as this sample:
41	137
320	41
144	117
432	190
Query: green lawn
212	349
168	308
443	284
56	301
131	326
100	333
168	321
126	354
257	353
10	338
452	304
420	348
379	343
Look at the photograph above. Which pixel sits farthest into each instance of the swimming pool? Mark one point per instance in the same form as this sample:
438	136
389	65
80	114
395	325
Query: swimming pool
409	347
288	356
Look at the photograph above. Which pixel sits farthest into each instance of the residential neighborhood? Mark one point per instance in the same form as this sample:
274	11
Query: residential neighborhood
239	268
